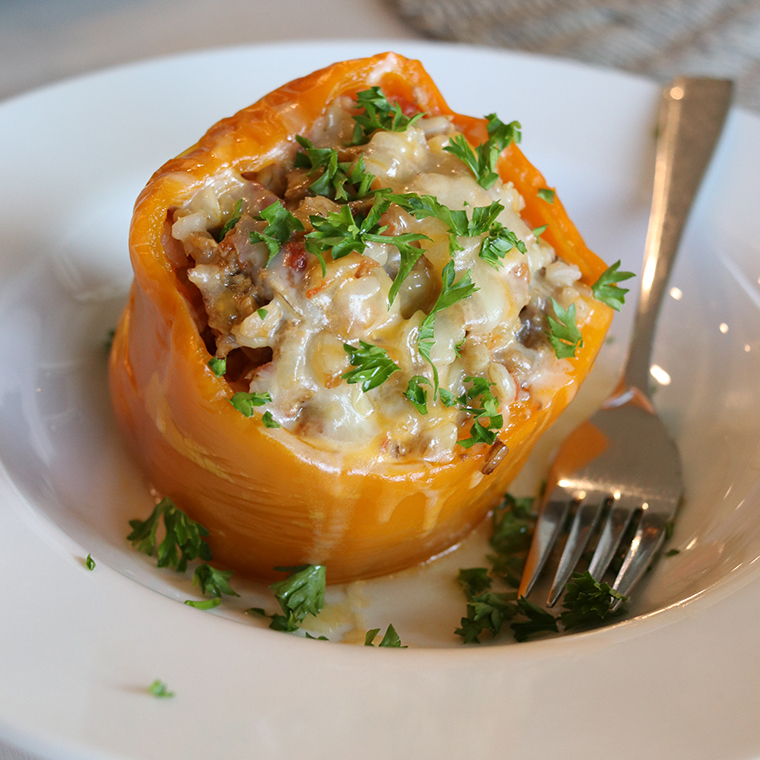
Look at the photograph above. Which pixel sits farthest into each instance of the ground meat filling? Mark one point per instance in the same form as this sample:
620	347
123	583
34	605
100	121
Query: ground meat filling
289	324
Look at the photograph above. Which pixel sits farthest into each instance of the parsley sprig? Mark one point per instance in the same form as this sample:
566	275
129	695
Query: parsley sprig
586	602
336	175
498	241
342	233
183	540
451	293
390	639
488	422
245	402
281	224
373	365
605	289
377	112
417	394
233	219
482	160
563	333
212	581
302	593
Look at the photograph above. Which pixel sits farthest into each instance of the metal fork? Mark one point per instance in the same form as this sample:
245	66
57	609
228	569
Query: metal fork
622	458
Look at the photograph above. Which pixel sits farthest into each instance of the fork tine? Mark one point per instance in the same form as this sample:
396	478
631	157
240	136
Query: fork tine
551	518
586	516
649	536
621	512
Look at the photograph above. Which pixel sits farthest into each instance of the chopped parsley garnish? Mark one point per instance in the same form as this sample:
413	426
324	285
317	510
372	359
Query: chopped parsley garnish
332	182
302	593
564	335
447	397
474	581
538	231
183	540
546	194
269	421
307	635
377	112
212	581
605	290
538	620
486	612
672	552
262	313
342	233
159	689
417	394
511	530
281	224
108	342
451	293
498	243
483	159
89	563
488	422
237	212
218	366
390	639
587	601
245	402
373	365
205	604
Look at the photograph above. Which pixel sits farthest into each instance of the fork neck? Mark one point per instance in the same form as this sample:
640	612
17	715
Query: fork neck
691	118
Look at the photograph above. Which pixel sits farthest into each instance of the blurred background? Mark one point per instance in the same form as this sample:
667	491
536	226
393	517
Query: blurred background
42	41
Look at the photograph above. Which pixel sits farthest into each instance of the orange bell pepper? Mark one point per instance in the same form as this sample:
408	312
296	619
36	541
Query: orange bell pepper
268	498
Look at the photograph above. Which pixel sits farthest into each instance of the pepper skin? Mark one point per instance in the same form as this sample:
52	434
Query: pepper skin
268	498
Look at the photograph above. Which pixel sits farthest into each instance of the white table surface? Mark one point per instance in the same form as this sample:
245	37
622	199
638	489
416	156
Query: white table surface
45	41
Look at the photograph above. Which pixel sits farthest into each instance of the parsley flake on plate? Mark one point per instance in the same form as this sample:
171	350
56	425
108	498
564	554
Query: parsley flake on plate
183	540
212	581
587	601
390	639
538	620
372	365
605	289
564	335
89	563
205	604
159	689
474	581
302	593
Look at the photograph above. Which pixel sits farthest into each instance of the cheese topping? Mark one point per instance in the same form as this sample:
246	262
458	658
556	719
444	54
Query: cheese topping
284	326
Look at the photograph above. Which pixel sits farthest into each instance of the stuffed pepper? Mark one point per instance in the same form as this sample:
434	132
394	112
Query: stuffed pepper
354	312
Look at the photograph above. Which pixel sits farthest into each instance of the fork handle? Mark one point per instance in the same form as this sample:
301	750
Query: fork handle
692	113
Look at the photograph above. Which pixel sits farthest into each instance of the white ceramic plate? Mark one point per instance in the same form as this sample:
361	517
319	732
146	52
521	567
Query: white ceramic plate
678	679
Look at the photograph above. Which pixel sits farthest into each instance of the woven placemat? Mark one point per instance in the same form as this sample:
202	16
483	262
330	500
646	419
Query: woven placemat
658	38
